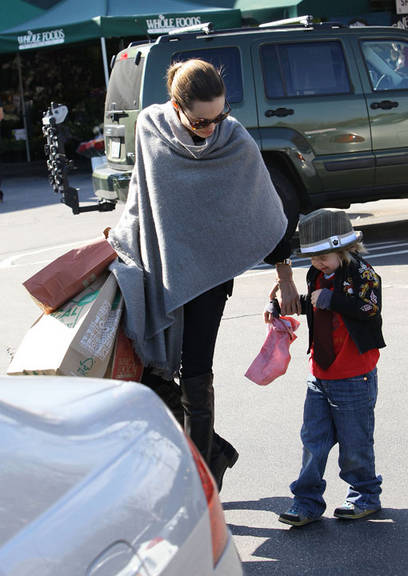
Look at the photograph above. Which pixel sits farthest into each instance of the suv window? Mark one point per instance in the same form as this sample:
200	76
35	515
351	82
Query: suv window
304	69
387	64
227	60
124	84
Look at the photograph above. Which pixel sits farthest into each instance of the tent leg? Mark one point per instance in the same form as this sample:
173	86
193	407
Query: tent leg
23	107
105	61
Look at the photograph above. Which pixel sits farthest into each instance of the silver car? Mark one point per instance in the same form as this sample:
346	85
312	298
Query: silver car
98	479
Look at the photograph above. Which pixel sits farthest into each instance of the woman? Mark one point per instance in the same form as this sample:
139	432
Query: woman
201	209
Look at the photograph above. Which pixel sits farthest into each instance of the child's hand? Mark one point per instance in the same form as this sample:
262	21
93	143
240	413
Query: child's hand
315	296
270	310
268	313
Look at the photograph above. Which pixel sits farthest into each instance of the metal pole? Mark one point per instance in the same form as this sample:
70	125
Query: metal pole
23	107
105	61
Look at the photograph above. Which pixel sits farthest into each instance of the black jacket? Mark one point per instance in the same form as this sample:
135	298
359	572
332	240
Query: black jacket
357	298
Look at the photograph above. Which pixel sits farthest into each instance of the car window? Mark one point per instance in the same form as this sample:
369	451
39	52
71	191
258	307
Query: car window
124	84
387	64
271	70
304	69
227	60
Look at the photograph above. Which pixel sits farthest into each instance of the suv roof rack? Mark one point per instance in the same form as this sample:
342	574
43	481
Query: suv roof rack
190	32
206	27
305	20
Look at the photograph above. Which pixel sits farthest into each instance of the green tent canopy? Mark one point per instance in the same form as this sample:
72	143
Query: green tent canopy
16	12
72	21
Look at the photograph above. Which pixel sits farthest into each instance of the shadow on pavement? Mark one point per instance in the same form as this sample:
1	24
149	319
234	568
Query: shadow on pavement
34	191
375	546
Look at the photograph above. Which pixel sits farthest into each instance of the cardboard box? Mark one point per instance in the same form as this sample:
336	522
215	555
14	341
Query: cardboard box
78	338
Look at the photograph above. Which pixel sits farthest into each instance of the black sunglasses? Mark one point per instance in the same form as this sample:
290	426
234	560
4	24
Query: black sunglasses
203	122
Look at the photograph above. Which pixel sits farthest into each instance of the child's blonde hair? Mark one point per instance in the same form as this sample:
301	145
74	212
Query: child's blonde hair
346	256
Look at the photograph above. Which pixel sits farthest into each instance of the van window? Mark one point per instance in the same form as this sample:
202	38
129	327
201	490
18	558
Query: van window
304	69
387	64
227	60
125	84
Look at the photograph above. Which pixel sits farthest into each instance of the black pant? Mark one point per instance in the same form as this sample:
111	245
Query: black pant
202	317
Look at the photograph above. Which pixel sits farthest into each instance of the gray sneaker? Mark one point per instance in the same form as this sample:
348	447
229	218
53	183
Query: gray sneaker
293	518
350	511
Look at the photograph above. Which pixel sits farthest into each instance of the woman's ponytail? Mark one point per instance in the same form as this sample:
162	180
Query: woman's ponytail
171	72
194	80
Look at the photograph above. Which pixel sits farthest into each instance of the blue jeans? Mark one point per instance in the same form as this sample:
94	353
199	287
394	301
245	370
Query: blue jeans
338	411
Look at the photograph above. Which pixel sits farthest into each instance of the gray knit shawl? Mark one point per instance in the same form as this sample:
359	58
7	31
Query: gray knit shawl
196	216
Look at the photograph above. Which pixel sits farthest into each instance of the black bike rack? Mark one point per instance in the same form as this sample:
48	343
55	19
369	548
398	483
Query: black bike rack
59	165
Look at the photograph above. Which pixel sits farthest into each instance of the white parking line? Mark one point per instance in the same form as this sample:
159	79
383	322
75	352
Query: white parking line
370	256
384	245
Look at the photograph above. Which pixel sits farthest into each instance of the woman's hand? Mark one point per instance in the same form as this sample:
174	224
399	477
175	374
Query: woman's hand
289	300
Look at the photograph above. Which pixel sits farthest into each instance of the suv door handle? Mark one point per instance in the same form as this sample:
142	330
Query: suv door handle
116	114
384	104
279	112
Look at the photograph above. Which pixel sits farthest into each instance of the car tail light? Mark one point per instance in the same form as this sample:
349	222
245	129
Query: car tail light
219	533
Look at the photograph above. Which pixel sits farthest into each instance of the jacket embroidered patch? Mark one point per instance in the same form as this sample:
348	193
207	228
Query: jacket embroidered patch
367	289
348	286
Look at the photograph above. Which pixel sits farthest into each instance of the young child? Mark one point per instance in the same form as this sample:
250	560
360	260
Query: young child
343	308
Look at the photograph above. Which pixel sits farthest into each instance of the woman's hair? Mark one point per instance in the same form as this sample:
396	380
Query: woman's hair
346	256
193	80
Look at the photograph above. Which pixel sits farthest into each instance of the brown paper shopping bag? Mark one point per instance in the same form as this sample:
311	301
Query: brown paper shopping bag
78	338
60	280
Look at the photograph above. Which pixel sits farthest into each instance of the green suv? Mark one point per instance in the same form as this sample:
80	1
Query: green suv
326	104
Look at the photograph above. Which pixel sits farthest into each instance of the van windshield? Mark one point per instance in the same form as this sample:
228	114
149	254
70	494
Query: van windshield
124	84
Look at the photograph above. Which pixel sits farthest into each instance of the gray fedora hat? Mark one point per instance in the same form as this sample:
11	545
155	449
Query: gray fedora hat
325	231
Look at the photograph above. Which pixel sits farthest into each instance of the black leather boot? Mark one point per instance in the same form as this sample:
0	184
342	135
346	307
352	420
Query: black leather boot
197	397
168	391
223	456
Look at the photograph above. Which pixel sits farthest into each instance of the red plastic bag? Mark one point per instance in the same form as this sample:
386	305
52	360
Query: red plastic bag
273	358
